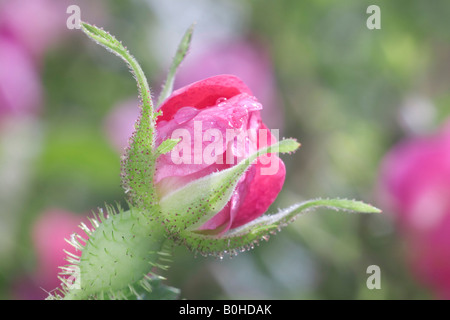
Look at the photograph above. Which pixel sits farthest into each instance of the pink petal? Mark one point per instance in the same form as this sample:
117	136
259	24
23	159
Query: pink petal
262	192
202	94
234	113
251	199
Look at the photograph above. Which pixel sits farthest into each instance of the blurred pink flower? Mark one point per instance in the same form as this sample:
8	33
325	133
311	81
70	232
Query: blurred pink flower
32	24
20	87
248	61
415	185
48	235
119	123
27	28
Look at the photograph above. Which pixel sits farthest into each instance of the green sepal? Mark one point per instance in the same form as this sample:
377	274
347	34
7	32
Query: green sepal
247	236
167	146
102	37
160	291
181	53
113	45
192	205
138	163
118	258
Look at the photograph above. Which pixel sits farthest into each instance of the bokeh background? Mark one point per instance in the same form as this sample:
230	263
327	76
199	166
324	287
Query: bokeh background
350	95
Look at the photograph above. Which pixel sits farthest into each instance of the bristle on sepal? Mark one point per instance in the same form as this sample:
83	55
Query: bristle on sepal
248	236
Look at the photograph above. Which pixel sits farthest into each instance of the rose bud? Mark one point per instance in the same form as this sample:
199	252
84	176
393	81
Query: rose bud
207	115
201	171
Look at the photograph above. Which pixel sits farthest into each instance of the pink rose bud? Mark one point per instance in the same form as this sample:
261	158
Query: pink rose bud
415	184
219	123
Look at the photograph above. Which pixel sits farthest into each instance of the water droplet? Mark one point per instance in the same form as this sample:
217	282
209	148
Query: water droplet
221	100
185	114
237	118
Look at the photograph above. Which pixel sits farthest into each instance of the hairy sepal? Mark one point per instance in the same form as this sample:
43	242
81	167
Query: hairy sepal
247	236
118	258
182	50
138	163
192	205
166	146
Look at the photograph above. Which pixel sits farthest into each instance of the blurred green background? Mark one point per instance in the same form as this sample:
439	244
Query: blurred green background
344	91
